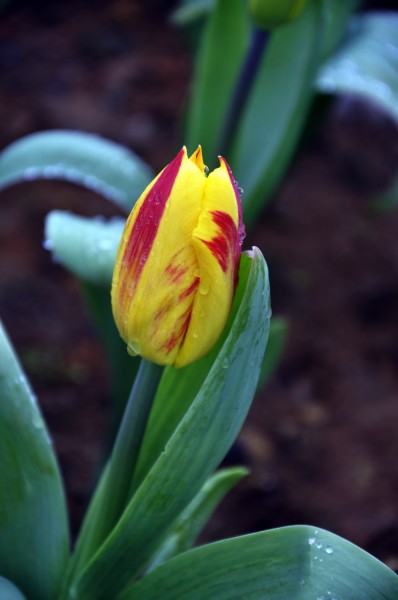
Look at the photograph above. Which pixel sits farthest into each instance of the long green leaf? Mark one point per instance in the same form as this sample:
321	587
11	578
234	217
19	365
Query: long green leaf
33	521
177	390
291	563
85	246
184	531
367	64
222	50
198	444
88	160
276	108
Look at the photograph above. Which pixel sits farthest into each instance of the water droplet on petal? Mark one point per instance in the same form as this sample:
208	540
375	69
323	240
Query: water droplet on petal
204	289
133	347
329	550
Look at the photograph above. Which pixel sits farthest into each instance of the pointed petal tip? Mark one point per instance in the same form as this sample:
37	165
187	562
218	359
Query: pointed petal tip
197	159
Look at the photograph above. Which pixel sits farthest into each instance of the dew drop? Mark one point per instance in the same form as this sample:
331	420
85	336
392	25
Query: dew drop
48	244
204	289
301	581
225	363
206	170
195	335
318	544
31	173
37	421
133	347
51	172
329	550
311	541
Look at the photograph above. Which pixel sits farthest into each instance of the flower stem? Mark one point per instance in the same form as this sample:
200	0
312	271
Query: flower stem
112	493
128	442
243	86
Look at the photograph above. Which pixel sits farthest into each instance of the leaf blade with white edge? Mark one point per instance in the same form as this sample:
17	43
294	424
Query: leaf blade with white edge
87	247
196	447
96	163
297	562
34	538
367	64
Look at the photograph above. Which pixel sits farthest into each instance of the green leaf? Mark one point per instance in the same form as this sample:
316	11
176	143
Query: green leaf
178	389
278	332
195	448
8	591
276	108
295	563
85	246
88	160
222	51
367	64
189	524
33	521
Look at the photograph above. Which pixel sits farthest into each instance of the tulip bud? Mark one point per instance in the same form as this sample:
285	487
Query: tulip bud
273	13
176	269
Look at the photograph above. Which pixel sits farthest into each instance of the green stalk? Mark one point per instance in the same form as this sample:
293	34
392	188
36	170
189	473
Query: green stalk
112	493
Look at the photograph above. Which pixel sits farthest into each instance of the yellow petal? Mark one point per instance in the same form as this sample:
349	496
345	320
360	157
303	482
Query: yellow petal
156	272
217	240
197	159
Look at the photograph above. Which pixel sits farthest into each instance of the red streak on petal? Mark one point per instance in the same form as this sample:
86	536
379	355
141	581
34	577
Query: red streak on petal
190	289
241	225
178	335
225	244
146	225
162	311
175	272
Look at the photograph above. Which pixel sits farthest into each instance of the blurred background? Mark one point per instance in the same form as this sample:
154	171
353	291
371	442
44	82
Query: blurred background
321	439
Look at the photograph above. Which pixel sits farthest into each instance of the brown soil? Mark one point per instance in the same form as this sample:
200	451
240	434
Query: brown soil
321	437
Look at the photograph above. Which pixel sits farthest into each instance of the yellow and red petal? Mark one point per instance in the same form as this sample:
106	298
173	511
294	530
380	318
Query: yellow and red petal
217	240
156	272
176	268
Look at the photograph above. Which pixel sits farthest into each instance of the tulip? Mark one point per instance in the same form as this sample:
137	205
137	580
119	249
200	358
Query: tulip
269	14
177	264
